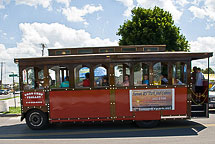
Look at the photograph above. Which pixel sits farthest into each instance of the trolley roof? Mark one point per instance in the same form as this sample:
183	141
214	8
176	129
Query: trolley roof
116	57
107	49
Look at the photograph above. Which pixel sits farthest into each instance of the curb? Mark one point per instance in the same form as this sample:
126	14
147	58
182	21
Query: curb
9	115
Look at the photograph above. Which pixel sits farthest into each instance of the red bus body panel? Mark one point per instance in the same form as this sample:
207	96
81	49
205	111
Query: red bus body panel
95	104
79	104
180	103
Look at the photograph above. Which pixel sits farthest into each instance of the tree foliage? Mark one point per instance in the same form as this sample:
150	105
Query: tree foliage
211	71
152	27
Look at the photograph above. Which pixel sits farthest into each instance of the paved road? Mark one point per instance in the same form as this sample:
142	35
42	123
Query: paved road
168	132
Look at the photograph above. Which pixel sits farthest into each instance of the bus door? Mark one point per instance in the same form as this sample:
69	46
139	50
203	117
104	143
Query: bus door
120	92
33	94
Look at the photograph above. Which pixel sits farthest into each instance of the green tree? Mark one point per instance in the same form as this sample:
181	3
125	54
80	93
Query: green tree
211	71
152	26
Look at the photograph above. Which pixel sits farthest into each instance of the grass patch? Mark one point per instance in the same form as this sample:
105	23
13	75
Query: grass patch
13	110
9	98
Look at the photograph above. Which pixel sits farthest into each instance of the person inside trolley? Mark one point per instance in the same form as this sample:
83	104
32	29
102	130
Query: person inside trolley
178	81
65	83
164	80
199	81
105	81
126	80
145	80
86	81
193	77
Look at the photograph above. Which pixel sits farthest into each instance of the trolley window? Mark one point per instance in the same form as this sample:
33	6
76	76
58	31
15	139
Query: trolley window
141	74
82	76
58	77
122	75
100	77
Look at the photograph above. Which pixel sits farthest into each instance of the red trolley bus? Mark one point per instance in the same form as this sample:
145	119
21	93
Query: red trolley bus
142	83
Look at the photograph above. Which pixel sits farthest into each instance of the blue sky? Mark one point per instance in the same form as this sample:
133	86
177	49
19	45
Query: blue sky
24	24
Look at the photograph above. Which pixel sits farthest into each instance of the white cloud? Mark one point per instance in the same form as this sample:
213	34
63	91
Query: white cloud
198	12
167	5
35	3
5	16
8	65
4	54
175	7
181	2
55	35
129	4
196	2
65	2
3	3
206	11
11	38
74	14
203	44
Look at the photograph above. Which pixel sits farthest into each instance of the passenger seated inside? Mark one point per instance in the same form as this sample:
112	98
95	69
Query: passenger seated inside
178	82
164	80
39	84
27	87
105	81
86	81
126	81
65	83
145	80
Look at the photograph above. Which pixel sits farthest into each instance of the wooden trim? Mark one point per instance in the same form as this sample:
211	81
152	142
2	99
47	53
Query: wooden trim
112	104
91	76
71	76
46	76
170	72
111	75
131	80
151	74
189	94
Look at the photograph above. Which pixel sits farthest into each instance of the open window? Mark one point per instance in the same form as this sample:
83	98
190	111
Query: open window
33	78
82	76
179	76
100	77
141	74
28	78
58	77
160	71
122	74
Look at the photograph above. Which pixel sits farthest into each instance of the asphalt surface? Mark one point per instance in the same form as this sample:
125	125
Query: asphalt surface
172	131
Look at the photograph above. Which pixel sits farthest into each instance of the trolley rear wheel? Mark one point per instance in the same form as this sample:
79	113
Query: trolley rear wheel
147	123
36	119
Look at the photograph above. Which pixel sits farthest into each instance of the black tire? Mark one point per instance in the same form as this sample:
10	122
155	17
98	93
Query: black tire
36	119
147	123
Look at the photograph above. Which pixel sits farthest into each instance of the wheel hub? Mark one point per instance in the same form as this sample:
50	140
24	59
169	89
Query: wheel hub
36	119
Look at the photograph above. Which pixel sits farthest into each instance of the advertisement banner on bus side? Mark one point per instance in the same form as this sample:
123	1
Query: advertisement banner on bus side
152	99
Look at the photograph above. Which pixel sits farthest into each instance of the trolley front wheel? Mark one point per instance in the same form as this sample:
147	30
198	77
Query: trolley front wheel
36	119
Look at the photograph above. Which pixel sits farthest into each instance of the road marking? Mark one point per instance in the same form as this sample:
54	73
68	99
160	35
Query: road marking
101	131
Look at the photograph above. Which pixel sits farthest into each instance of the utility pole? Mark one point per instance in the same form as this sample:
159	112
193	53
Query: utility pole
13	75
43	47
1	73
